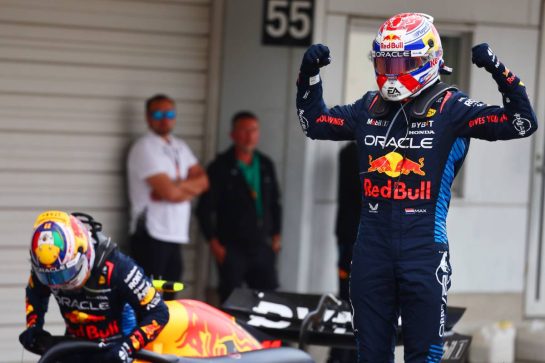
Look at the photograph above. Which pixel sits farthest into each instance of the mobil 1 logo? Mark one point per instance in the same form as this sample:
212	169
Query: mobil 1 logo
288	22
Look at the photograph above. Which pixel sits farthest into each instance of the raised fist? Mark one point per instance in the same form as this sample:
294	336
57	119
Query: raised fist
315	57
483	56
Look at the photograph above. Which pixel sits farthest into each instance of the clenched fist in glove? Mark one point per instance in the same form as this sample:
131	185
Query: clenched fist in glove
315	57
118	353
35	340
483	57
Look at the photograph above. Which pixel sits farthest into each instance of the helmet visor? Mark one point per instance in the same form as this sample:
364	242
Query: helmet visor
397	65
62	276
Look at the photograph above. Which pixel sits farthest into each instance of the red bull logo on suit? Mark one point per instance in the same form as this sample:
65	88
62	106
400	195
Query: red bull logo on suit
397	190
394	165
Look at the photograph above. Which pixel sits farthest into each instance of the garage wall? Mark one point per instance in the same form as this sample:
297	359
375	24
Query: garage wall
74	76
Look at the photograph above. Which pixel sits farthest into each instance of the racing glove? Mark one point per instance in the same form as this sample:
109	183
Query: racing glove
483	57
315	57
118	353
35	340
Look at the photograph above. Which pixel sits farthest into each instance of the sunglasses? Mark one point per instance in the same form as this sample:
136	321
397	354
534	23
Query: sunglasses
160	115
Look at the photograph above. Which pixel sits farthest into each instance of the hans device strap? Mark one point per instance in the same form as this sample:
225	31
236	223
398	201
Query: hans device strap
423	102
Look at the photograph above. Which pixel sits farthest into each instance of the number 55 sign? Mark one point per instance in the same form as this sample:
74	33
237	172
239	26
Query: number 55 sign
288	22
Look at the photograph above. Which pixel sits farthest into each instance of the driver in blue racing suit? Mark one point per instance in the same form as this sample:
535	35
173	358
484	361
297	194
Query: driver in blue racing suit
412	136
92	282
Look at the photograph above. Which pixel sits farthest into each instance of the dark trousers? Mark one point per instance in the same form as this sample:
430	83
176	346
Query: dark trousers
159	259
344	355
410	278
256	267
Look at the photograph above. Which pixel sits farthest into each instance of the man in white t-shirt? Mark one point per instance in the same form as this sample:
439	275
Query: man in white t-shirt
163	176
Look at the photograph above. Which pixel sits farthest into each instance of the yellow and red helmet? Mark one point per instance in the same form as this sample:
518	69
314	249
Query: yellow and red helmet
61	252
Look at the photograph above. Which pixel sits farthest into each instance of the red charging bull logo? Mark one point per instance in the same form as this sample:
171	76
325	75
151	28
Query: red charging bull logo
79	317
210	336
197	336
391	37
394	164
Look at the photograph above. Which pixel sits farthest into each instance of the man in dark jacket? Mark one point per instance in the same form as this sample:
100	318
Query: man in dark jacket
240	214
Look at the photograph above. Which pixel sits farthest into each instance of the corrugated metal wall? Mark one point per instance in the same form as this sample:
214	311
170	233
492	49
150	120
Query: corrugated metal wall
74	76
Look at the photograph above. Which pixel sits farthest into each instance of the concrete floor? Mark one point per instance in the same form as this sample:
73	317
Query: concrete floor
482	309
320	355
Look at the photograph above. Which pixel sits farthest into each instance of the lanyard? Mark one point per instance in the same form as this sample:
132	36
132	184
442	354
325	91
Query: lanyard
173	153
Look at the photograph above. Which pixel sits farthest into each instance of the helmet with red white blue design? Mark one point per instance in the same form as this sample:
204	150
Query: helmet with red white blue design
407	55
61	252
